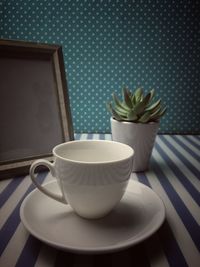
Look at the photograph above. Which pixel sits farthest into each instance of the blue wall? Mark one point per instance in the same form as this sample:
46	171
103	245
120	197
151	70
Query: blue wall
107	44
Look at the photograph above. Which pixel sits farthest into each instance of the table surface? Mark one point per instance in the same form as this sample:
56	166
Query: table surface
174	174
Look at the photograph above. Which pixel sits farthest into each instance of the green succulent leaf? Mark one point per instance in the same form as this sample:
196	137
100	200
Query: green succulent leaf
121	111
162	112
116	100
158	114
119	104
145	117
136	106
140	107
132	116
127	97
133	99
147	99
152	92
115	115
154	106
138	94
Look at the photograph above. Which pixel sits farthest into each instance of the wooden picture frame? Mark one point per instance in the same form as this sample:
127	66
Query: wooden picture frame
34	104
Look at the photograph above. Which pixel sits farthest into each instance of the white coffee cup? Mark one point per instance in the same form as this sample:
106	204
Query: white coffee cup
92	175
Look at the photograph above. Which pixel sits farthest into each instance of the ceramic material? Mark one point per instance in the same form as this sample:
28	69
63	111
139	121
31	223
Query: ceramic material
140	136
92	174
138	215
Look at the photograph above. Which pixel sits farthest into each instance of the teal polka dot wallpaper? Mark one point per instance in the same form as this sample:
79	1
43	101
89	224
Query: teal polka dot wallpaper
111	43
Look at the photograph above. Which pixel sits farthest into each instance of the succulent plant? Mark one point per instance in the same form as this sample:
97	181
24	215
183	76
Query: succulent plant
136	107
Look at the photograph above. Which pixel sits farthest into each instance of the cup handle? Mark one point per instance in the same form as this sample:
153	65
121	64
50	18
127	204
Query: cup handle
50	166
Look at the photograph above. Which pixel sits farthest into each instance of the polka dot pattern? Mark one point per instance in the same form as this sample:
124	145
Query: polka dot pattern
111	43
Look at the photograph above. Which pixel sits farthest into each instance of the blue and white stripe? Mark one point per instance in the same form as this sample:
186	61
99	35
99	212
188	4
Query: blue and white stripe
174	175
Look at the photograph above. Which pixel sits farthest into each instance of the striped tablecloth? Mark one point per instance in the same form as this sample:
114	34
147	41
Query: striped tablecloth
174	175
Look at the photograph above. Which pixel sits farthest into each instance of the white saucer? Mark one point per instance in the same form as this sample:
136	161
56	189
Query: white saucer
139	214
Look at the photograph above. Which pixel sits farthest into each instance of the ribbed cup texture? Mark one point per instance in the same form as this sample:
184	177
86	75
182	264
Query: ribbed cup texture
93	174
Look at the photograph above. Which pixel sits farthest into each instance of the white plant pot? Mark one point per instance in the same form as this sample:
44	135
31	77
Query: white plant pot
140	136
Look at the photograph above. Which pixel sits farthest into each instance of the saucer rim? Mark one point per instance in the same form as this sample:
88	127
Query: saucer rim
103	249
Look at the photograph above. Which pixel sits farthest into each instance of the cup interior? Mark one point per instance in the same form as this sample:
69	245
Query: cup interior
93	151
